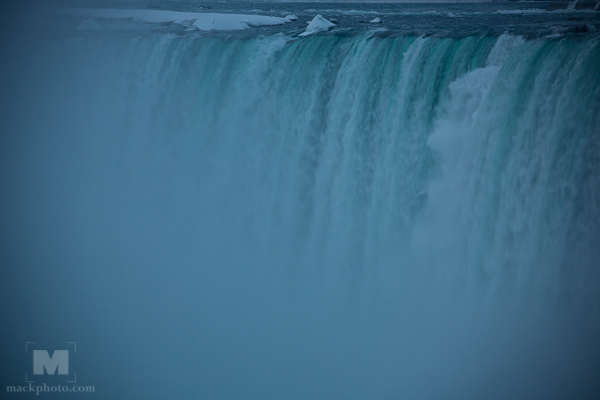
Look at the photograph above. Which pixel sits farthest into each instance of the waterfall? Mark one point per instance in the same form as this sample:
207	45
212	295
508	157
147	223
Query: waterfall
340	216
344	152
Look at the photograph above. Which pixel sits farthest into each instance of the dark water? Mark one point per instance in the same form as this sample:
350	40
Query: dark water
529	19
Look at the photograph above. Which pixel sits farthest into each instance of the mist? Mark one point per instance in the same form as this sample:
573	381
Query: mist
337	217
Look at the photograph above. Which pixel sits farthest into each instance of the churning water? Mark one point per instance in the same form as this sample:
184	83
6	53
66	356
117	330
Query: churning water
408	210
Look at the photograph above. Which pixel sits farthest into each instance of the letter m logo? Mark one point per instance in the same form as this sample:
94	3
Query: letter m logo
60	360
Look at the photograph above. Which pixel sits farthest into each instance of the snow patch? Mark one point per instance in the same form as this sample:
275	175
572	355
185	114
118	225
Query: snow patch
201	21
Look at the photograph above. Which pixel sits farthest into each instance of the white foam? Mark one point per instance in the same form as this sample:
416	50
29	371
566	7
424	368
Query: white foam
504	47
542	11
572	5
201	21
527	11
89	25
318	24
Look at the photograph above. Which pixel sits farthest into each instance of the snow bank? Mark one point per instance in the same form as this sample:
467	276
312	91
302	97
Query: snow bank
201	21
318	24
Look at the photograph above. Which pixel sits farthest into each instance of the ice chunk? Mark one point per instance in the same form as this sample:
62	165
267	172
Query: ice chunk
318	24
375	21
291	17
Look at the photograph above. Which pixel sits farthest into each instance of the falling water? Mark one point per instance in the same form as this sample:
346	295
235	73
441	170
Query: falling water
342	216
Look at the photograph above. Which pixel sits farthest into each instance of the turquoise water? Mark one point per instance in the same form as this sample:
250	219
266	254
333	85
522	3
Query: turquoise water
478	152
404	211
